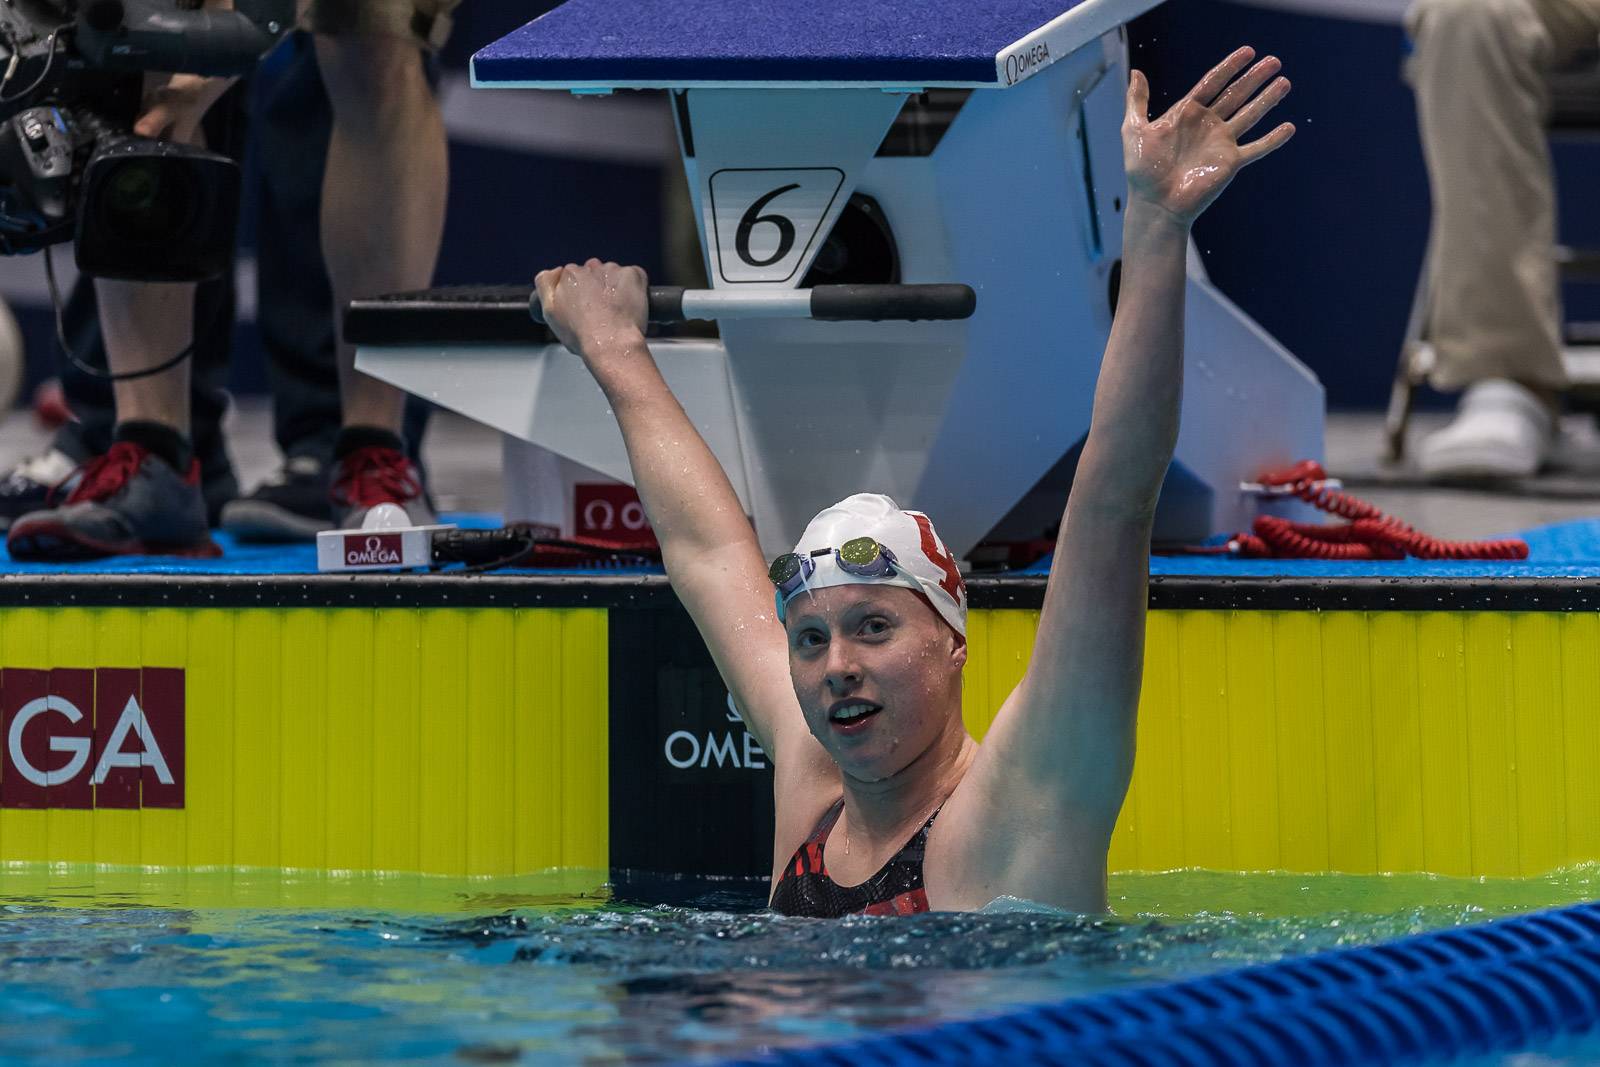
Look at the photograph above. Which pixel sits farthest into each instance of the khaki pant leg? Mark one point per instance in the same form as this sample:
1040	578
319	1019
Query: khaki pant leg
1478	70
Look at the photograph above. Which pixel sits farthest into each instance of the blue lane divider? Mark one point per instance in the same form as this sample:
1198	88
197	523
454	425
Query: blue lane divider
1496	987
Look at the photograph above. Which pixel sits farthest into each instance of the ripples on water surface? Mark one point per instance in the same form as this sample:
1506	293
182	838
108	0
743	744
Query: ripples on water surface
229	967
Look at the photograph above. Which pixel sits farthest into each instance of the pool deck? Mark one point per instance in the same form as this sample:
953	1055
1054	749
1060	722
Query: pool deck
462	459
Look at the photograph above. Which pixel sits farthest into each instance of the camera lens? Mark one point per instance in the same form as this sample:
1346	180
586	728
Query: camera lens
148	200
150	211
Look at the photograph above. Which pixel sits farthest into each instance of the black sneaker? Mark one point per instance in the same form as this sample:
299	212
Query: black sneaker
292	505
128	502
26	487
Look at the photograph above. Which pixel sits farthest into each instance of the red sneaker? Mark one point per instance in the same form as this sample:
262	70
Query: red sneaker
128	502
367	477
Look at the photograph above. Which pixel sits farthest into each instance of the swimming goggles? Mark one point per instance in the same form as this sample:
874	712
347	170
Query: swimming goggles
861	556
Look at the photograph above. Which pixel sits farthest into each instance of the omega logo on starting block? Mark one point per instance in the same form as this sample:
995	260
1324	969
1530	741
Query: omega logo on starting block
764	220
111	737
1024	63
611	513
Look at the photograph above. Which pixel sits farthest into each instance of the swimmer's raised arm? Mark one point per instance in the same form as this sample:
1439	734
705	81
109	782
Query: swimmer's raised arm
1062	746
707	544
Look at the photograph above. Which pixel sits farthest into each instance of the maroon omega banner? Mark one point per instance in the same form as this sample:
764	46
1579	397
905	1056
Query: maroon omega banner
108	737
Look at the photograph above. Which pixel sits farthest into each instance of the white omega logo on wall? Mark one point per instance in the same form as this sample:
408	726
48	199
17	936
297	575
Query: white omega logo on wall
92	737
764	221
131	721
685	750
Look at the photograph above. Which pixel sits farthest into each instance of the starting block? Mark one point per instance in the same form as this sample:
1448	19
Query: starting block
886	143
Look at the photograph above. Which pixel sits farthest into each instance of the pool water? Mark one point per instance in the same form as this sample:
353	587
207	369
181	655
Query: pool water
154	968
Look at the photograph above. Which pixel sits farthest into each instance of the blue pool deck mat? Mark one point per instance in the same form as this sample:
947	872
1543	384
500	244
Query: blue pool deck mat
1560	550
261	560
600	45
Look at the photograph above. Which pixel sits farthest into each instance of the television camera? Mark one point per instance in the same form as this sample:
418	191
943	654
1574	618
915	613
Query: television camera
71	83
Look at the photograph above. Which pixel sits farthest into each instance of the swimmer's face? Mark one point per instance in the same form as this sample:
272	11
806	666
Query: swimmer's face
878	674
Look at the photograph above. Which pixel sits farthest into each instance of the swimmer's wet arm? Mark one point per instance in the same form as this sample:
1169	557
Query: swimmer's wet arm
1177	165
1074	721
1069	727
707	544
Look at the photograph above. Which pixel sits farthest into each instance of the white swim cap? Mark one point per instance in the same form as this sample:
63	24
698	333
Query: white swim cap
921	562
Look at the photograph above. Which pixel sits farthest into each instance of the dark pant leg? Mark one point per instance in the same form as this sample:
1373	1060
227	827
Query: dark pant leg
294	306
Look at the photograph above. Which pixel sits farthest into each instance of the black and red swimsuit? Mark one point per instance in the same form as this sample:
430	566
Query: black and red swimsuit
804	887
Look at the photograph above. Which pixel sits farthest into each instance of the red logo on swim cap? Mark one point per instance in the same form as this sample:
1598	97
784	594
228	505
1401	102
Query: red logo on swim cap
951	582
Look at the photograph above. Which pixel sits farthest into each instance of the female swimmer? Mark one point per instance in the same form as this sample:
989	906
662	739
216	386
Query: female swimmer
852	685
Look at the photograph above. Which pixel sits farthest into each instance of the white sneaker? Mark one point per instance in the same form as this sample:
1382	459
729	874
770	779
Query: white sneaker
26	487
47	468
1501	430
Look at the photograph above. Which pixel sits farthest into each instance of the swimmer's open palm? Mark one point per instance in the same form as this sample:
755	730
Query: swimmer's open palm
1183	160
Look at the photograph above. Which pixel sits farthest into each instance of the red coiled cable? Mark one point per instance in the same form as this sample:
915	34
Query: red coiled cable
1370	534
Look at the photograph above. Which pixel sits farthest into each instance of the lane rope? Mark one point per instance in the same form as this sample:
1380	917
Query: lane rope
1495	987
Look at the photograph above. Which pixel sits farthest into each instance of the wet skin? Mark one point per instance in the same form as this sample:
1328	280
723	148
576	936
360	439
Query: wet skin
1184	159
886	649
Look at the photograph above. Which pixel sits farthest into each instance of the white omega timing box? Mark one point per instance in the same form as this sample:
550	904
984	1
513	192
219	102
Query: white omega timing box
378	549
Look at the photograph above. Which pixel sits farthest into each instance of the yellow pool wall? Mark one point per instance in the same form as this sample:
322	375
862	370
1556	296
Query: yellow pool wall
438	741
464	741
1360	742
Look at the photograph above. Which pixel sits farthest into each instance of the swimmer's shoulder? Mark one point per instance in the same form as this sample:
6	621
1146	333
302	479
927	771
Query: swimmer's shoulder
996	837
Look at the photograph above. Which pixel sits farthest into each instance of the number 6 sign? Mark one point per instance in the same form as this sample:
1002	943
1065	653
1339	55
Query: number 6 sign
765	221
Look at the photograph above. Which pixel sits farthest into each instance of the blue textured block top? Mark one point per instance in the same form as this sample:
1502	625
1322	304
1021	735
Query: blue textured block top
636	43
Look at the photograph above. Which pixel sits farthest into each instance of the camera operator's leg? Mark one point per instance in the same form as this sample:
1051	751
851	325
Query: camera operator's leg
383	202
143	495
294	309
27	487
146	324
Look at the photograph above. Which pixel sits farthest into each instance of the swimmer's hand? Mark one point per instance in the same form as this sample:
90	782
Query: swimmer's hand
594	309
1183	160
